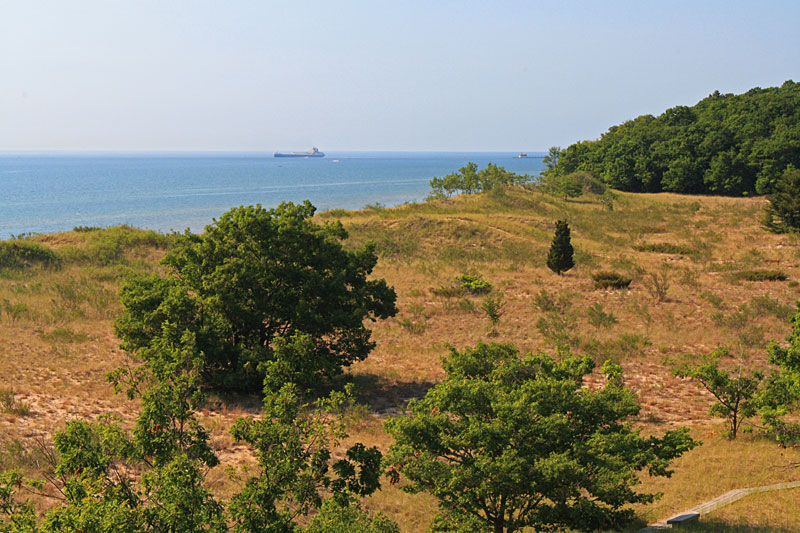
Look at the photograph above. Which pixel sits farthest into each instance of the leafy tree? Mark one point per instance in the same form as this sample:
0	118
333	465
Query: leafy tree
783	211
551	159
725	144
573	185
493	306
293	443
507	442
781	395
735	392
254	276
469	180
608	199
336	518
153	478
15	515
559	259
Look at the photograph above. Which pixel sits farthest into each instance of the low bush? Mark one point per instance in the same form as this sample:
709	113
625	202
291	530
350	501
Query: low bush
599	317
16	310
712	298
415	327
760	275
474	284
416	322
665	248
107	247
549	303
768	305
573	185
613	280
493	307
448	291
62	335
10	405
657	285
625	347
22	254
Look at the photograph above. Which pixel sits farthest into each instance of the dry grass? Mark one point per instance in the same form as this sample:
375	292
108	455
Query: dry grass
758	513
57	340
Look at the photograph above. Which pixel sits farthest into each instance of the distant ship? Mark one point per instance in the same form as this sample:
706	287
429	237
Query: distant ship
522	155
313	153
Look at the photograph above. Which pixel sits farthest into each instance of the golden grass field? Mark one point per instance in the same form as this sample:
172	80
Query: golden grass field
57	339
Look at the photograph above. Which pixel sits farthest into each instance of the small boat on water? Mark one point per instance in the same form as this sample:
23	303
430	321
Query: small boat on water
313	153
522	155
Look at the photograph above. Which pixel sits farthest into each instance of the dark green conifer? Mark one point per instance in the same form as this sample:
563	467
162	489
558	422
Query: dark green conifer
560	257
784	203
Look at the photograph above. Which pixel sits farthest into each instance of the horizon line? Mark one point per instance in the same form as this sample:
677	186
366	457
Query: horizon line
226	151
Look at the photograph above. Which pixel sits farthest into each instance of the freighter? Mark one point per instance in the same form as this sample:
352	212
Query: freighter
313	153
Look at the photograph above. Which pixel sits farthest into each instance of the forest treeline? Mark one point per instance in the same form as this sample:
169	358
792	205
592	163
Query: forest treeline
726	144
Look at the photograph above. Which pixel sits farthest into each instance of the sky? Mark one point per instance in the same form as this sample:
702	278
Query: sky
370	75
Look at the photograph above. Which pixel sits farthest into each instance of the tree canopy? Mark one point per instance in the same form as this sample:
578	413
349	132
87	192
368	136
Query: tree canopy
153	477
507	442
257	276
781	396
725	144
469	180
783	211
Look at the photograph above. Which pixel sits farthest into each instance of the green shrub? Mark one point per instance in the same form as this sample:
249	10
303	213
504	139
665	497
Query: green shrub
712	298
448	291
608	279
666	248
736	320
108	246
415	327
22	254
772	306
657	285
626	346
10	405
16	310
598	317
573	185
416	322
61	335
474	284
549	303
493	307
760	275
632	344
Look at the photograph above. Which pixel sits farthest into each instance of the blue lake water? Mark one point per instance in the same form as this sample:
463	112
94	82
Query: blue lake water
41	193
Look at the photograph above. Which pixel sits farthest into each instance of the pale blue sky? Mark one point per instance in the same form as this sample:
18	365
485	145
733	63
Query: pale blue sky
370	75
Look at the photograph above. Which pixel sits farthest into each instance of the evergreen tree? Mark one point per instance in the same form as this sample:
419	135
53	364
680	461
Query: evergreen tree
560	257
783	211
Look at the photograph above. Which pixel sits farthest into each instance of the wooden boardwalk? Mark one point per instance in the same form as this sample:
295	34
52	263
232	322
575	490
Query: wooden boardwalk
720	501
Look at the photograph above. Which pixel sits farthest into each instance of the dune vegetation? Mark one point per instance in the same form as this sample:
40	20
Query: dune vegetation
655	277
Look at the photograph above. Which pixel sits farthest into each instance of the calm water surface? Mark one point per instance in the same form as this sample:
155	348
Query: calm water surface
43	193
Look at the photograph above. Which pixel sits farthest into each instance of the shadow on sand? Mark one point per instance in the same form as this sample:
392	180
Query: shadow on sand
385	396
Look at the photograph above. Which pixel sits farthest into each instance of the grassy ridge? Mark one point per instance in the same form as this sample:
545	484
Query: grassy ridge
685	255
